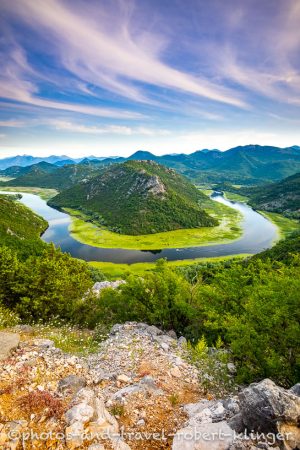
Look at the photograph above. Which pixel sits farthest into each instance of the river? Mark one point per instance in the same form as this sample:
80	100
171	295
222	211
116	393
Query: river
258	234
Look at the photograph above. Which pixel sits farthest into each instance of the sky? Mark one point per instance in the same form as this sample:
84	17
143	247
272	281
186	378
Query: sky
110	77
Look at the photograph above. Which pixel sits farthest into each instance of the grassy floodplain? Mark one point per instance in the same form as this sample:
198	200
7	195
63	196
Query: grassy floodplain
114	271
45	194
227	230
285	225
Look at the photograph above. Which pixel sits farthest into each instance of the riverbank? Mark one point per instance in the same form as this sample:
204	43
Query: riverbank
229	229
44	193
113	271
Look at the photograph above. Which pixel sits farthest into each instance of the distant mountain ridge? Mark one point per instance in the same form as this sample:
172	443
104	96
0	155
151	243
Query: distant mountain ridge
138	197
250	164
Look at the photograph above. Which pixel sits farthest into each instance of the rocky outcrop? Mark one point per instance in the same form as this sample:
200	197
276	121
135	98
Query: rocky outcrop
263	414
97	288
137	382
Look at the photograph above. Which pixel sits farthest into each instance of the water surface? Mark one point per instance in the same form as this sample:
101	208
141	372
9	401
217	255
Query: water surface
258	234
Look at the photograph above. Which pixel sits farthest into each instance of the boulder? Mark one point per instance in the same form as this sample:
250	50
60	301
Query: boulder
296	389
79	413
265	405
8	343
182	342
208	436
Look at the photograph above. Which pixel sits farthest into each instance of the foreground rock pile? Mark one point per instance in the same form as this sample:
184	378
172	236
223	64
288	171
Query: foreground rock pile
136	392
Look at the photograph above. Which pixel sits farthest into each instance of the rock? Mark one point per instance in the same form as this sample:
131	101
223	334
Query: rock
164	346
46	343
97	288
96	447
265	405
71	383
79	413
115	329
28	329
205	411
119	444
182	342
175	372
231	405
236	423
74	432
295	389
209	436
153	330
147	384
9	342
108	423
85	396
123	378
231	368
291	434
172	334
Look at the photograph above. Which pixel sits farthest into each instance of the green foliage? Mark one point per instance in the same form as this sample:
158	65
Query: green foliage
250	307
43	286
212	365
124	198
8	318
20	228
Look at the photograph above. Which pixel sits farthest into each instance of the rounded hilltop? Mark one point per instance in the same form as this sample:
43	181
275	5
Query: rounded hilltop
138	197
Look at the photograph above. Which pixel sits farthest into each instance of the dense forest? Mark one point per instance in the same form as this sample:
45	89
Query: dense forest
251	307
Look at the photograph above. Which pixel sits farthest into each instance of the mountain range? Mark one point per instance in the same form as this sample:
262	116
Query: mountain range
250	164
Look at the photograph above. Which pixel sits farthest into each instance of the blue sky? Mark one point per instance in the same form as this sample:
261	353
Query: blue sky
110	77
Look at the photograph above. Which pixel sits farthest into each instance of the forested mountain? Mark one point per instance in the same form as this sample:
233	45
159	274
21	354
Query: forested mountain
282	197
250	164
138	197
57	178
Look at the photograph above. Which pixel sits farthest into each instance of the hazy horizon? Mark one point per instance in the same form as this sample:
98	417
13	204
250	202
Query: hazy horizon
109	78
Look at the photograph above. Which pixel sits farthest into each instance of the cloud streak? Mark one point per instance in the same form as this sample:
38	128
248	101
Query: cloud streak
113	58
109	129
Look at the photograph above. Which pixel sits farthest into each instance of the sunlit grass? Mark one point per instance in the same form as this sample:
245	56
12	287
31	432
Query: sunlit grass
227	230
114	271
285	225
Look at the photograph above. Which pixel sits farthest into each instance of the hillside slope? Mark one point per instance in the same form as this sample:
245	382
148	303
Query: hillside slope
20	228
59	178
282	197
138	197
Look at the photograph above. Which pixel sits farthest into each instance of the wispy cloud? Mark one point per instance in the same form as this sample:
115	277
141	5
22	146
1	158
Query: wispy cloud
109	129
114	57
12	123
19	82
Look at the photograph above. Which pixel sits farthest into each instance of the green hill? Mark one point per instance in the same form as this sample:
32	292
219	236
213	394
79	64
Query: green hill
138	197
282	197
61	178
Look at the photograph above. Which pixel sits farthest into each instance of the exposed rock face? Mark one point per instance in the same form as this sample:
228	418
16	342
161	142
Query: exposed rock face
260	411
264	406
